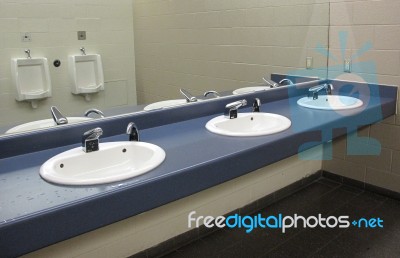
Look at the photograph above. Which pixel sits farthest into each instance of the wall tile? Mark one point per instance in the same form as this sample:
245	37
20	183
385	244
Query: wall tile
387	37
383	179
341	13
8	25
382	161
383	62
9	10
53	25
339	147
345	168
390	120
353	37
116	91
238	42
388	135
396	162
376	12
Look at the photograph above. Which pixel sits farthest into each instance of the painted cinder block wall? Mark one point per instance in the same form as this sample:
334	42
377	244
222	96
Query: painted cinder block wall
205	45
378	23
53	26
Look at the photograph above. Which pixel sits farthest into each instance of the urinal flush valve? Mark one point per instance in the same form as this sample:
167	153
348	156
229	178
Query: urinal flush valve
83	50
28	53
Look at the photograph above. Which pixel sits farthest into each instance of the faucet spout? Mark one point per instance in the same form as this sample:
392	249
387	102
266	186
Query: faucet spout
212	92
90	140
256	105
288	81
232	108
189	97
314	90
59	118
95	111
133	132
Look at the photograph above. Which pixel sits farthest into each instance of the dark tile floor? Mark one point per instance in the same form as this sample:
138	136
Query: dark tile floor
324	197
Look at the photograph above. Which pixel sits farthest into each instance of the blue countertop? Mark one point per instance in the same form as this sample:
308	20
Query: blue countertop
35	213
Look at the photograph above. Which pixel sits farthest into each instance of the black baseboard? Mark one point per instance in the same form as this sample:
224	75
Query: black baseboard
362	185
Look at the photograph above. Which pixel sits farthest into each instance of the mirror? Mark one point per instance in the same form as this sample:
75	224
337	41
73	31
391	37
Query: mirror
151	49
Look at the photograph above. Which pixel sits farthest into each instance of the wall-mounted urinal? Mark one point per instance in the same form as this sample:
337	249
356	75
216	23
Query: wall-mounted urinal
31	78
86	73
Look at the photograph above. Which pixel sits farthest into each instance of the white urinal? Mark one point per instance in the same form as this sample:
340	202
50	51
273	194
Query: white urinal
31	79
86	73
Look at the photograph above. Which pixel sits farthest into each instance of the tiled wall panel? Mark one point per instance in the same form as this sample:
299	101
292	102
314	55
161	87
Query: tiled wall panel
223	45
376	23
53	26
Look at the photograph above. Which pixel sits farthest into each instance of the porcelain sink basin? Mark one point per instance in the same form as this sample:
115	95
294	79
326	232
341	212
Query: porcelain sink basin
330	102
114	161
250	89
249	124
167	103
45	123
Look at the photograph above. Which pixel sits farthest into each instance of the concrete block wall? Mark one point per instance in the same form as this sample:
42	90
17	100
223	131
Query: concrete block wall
376	23
205	45
53	25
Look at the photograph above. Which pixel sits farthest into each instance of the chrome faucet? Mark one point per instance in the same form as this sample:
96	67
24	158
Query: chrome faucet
232	108
189	97
286	80
57	116
256	105
270	83
95	111
314	90
90	140
212	92
133	132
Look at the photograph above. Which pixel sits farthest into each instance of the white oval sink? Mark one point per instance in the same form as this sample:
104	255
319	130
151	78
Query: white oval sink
45	123
250	89
114	161
249	124
165	103
330	102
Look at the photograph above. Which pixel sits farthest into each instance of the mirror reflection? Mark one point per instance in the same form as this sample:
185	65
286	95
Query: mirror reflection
120	56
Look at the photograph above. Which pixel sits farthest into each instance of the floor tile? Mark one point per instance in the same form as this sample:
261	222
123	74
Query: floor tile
236	250
263	241
197	249
286	250
331	251
324	197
